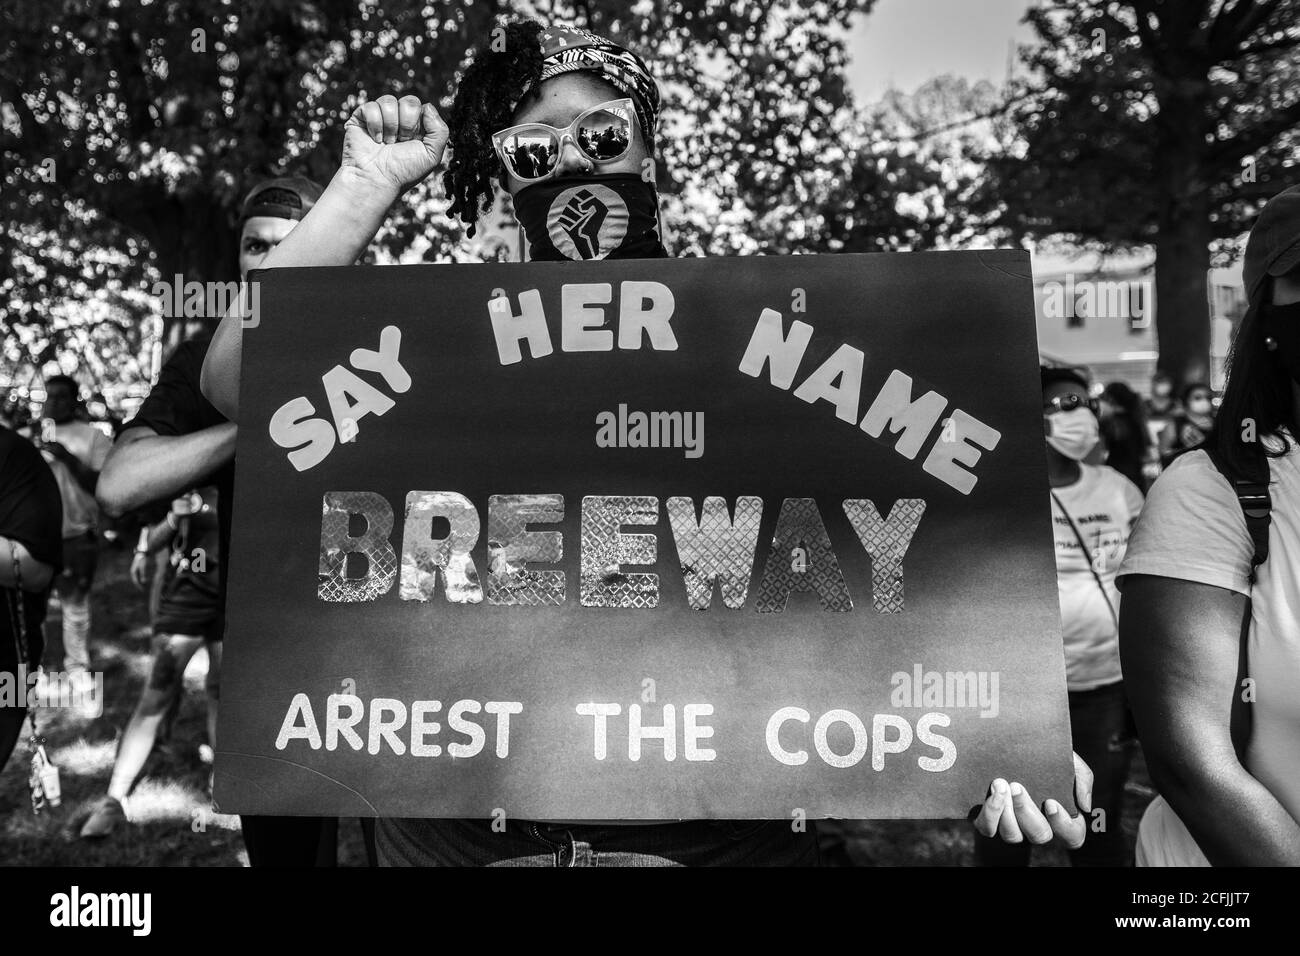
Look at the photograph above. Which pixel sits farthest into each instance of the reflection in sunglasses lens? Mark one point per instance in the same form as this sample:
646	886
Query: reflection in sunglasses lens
604	136
532	153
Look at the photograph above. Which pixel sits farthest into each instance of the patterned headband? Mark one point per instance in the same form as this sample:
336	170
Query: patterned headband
568	49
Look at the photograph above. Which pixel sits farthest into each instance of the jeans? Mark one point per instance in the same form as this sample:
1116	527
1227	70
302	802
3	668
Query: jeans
1099	727
413	842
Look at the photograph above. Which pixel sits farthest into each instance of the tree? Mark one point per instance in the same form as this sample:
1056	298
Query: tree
158	116
1153	122
134	129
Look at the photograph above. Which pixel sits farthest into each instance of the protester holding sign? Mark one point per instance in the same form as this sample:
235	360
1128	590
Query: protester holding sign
565	121
1093	509
1208	633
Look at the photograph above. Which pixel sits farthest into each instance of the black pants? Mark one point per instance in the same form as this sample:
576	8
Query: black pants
1099	728
299	841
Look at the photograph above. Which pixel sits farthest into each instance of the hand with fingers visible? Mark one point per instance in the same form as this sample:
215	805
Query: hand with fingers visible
140	570
394	142
1009	812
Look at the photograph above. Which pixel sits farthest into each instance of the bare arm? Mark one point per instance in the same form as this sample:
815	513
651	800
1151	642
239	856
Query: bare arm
334	233
1179	645
388	145
145	466
36	574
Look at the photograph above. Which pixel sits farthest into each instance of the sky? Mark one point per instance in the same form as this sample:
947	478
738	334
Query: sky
906	42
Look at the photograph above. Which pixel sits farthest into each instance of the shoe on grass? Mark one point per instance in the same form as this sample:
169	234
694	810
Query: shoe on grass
108	813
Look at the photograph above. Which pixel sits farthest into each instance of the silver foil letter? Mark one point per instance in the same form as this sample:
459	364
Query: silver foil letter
605	550
423	556
799	526
511	546
336	544
715	549
886	542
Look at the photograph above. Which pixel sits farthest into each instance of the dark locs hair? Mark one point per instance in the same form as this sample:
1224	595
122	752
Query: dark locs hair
1257	400
485	100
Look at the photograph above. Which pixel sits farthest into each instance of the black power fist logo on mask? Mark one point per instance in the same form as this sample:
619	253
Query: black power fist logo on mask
581	219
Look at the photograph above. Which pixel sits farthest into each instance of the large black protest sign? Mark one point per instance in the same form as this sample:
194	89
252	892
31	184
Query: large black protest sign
649	539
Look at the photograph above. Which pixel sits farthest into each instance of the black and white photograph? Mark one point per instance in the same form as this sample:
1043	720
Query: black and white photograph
853	434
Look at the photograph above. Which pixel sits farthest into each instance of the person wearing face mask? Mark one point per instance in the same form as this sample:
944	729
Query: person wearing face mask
1162	408
565	122
1093	509
1211	584
1189	428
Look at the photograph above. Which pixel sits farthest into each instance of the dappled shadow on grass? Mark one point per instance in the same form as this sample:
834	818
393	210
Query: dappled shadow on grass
170	818
169	811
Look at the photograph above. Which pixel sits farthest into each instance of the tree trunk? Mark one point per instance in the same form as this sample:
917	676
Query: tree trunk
1182	240
193	238
1182	299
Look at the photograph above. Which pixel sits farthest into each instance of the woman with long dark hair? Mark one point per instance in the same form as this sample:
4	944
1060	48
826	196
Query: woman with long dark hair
1210	645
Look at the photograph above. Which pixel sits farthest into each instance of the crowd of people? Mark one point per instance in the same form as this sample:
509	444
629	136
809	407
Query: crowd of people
1202	610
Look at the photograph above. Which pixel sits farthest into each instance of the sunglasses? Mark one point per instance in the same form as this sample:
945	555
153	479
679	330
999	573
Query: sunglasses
531	152
1068	403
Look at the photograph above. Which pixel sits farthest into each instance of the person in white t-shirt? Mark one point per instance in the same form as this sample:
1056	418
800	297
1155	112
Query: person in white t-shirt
1220	718
1093	509
76	451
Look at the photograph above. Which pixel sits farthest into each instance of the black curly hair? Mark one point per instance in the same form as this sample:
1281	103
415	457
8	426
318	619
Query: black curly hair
485	100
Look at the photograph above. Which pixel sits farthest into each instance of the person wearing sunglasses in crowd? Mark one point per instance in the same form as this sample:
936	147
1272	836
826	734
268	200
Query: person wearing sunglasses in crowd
1093	508
564	120
1208	633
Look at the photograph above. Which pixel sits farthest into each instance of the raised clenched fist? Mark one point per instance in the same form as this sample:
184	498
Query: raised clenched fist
395	142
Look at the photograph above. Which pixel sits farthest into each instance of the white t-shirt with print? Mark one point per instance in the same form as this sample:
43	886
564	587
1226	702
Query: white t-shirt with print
1193	529
1103	505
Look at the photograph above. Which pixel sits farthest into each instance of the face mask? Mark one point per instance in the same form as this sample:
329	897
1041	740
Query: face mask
593	217
1074	433
1282	324
1199	407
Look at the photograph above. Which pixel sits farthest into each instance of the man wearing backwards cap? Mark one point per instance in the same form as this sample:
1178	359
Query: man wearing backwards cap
178	441
564	121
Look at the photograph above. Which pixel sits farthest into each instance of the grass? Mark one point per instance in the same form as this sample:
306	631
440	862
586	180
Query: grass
171	822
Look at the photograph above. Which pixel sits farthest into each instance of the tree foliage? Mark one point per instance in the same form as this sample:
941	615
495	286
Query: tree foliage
1160	122
157	117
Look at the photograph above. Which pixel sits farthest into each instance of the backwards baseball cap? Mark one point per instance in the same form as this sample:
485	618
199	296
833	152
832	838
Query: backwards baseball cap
1273	248
289	197
568	49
